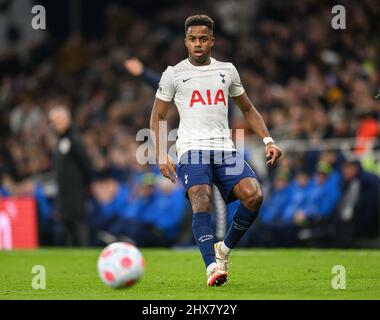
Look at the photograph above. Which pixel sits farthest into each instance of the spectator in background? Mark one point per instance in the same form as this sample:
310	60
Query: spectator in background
371	162
169	209
267	229
367	132
136	68
312	203
333	158
32	188
25	117
286	232
360	201
156	212
322	199
149	214
299	191
272	210
73	170
110	200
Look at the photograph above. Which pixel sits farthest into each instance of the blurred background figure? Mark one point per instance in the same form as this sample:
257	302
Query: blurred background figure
322	198
137	69
73	172
148	214
360	202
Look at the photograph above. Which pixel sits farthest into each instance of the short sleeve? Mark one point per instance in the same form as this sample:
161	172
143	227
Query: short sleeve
166	88
236	88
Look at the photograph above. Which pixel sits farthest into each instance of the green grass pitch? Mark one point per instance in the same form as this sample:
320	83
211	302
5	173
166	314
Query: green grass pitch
179	274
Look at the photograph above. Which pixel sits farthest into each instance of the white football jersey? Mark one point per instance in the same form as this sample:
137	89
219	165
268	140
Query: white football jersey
201	96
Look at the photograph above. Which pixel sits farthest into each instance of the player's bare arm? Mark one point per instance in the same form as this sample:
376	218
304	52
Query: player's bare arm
257	124
165	162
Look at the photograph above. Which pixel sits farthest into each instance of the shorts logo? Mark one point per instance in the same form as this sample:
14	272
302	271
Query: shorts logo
186	176
206	237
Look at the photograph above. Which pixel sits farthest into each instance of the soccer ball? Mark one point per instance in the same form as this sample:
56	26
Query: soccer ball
120	265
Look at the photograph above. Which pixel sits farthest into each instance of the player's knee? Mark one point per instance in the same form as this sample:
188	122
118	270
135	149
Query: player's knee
200	198
252	199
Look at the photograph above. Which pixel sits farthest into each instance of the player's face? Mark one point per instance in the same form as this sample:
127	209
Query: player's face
199	41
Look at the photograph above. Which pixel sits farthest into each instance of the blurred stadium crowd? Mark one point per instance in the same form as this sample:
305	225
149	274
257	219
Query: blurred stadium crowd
309	81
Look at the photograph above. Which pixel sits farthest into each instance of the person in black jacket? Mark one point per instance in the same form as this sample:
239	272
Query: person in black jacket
73	174
360	203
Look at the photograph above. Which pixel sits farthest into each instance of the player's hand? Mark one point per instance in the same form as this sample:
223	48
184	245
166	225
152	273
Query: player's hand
273	153
134	66
168	168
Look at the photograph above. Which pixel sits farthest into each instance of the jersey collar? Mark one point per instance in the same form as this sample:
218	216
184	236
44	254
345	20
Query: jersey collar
201	67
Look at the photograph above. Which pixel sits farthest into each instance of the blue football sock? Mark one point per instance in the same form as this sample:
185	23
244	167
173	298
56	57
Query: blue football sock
204	237
243	219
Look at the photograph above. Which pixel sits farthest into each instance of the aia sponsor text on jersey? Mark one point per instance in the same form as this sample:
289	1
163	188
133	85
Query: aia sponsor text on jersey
207	98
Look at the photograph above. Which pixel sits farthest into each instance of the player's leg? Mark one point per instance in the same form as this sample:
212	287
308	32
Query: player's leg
195	172
200	197
236	180
248	191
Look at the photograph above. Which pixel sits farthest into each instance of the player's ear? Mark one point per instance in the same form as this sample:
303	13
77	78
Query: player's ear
212	41
185	41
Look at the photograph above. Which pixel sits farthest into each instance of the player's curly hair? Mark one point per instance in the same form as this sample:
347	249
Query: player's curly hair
199	20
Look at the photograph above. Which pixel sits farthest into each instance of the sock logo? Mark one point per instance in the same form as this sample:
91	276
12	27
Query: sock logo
239	227
206	237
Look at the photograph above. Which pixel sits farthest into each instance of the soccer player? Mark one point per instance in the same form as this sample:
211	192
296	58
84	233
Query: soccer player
200	86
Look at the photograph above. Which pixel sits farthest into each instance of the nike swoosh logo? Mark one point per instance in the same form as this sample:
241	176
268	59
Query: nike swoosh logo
184	80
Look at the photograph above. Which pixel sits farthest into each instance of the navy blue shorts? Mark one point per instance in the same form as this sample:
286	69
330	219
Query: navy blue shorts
222	168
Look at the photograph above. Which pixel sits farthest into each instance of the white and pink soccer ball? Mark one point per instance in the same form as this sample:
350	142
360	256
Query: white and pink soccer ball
120	265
